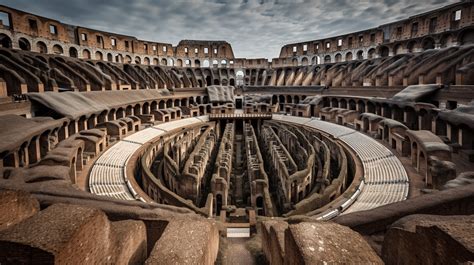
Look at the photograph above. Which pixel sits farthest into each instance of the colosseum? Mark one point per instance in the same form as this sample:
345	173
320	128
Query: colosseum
350	149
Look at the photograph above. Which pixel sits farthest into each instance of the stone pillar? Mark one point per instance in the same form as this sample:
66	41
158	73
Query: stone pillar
33	151
449	131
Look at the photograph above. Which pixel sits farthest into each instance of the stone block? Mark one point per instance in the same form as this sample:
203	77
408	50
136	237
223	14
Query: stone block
186	242
430	239
326	243
15	207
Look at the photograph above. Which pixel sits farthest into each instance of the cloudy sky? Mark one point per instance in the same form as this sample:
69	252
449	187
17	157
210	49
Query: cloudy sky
255	28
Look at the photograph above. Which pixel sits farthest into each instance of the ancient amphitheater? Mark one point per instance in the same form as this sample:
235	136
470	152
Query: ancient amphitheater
357	148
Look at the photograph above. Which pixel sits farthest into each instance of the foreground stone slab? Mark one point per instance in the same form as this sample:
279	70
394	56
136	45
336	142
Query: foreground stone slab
186	242
273	240
326	243
71	234
430	239
15	207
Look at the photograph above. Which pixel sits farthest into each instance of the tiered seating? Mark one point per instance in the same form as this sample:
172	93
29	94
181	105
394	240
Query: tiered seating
385	179
108	177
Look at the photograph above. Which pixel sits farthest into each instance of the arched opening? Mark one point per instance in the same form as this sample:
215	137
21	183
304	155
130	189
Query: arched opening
138	60
24	44
118	58
316	60
411	46
466	36
5	41
294	62
170	62
98	56
197	63
305	61
155	61
41	47
428	44
146	61
73	52
86	54
398	49
57	49
360	55
224	63
127	59
384	51
349	56
109	57
161	104
327	59
338	58
215	63
164	61
371	53
205	63
179	63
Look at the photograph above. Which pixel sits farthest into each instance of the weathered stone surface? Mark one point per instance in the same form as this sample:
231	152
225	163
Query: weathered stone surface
74	235
273	240
186	242
456	201
130	242
430	239
15	207
326	243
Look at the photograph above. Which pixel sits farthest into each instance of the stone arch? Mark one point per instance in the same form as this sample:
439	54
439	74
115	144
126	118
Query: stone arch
384	51
338	58
371	53
99	56
305	61
41	47
86	54
466	36
411	46
327	59
316	60
170	62
360	55
215	63
205	63
349	56
156	61
119	58
73	52
109	57
294	62
397	49
5	41
138	60
146	61
446	40
127	59
57	49
428	43
24	44
164	61
179	63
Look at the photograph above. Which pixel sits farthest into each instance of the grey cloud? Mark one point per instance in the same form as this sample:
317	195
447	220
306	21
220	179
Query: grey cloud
255	28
